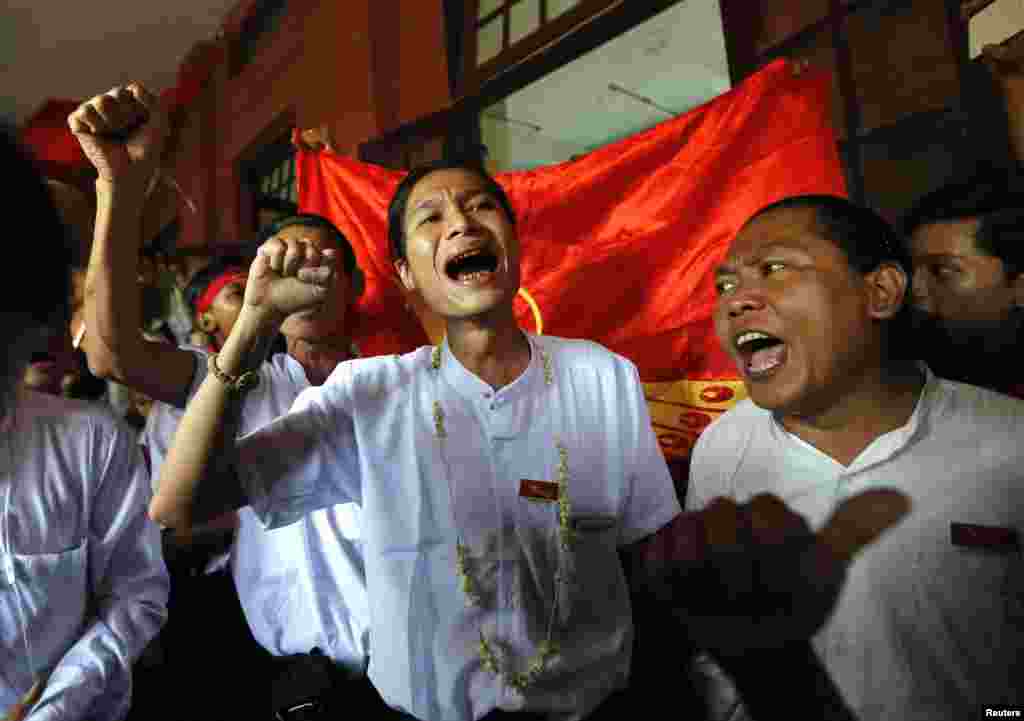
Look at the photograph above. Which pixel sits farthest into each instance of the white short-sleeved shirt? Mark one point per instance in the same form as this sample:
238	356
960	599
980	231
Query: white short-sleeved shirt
924	629
300	587
369	435
83	586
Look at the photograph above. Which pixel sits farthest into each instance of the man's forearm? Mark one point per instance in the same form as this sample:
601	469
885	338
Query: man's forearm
203	446
113	310
113	304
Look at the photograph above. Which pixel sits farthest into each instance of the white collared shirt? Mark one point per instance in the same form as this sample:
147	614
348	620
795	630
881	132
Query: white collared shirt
923	629
369	435
83	586
300	587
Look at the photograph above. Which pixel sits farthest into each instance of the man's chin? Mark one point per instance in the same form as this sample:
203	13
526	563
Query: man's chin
957	353
772	403
785	400
478	306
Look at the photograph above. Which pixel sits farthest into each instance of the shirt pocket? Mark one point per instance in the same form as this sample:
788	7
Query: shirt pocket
983	588
597	583
52	591
945	601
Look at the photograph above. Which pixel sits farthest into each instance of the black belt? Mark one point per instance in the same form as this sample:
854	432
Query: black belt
307	687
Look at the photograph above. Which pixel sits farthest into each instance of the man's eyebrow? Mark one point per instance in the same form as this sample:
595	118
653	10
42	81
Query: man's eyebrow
729	268
433	201
776	246
939	256
472	192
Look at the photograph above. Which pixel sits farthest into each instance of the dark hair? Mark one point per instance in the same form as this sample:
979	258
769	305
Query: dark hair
311	220
275	205
865	237
995	199
86	386
50	257
868	241
400	200
201	280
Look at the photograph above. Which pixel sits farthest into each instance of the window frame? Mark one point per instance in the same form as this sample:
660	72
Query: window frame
259	165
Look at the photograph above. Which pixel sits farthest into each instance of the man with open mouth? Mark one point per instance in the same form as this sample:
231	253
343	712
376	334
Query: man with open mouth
271	574
499	476
812	306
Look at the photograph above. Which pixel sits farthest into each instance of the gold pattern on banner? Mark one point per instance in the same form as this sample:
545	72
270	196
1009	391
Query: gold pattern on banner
681	410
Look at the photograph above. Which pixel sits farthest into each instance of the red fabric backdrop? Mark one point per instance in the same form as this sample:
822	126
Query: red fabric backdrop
617	246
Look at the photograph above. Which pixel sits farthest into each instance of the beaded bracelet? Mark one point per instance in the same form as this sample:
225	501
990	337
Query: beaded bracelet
236	384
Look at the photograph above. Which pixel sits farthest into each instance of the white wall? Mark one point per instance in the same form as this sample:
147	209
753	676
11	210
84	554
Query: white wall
998	21
676	58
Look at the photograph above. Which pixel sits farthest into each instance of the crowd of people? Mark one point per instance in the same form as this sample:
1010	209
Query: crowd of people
487	527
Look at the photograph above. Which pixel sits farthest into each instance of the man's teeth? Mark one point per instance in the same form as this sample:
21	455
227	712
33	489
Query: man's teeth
751	336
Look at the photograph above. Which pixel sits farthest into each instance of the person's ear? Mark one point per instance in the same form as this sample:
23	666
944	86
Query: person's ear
887	287
405	274
207	323
1018	291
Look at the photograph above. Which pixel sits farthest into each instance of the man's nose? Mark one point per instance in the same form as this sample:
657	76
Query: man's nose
920	291
742	302
457	221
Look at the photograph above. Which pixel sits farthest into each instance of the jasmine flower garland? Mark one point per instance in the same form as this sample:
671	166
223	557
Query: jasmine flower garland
535	667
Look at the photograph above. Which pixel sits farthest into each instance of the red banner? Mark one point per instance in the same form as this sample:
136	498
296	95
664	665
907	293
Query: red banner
50	139
617	246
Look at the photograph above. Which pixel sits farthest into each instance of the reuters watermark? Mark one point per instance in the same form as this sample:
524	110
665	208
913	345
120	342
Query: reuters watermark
1003	712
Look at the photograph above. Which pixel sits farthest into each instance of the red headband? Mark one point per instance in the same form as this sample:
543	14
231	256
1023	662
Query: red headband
229	276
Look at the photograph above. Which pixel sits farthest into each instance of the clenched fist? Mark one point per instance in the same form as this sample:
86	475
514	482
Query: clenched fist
122	132
754	576
291	274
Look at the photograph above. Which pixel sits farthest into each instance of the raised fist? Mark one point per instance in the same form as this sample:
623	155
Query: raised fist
122	132
313	139
290	274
